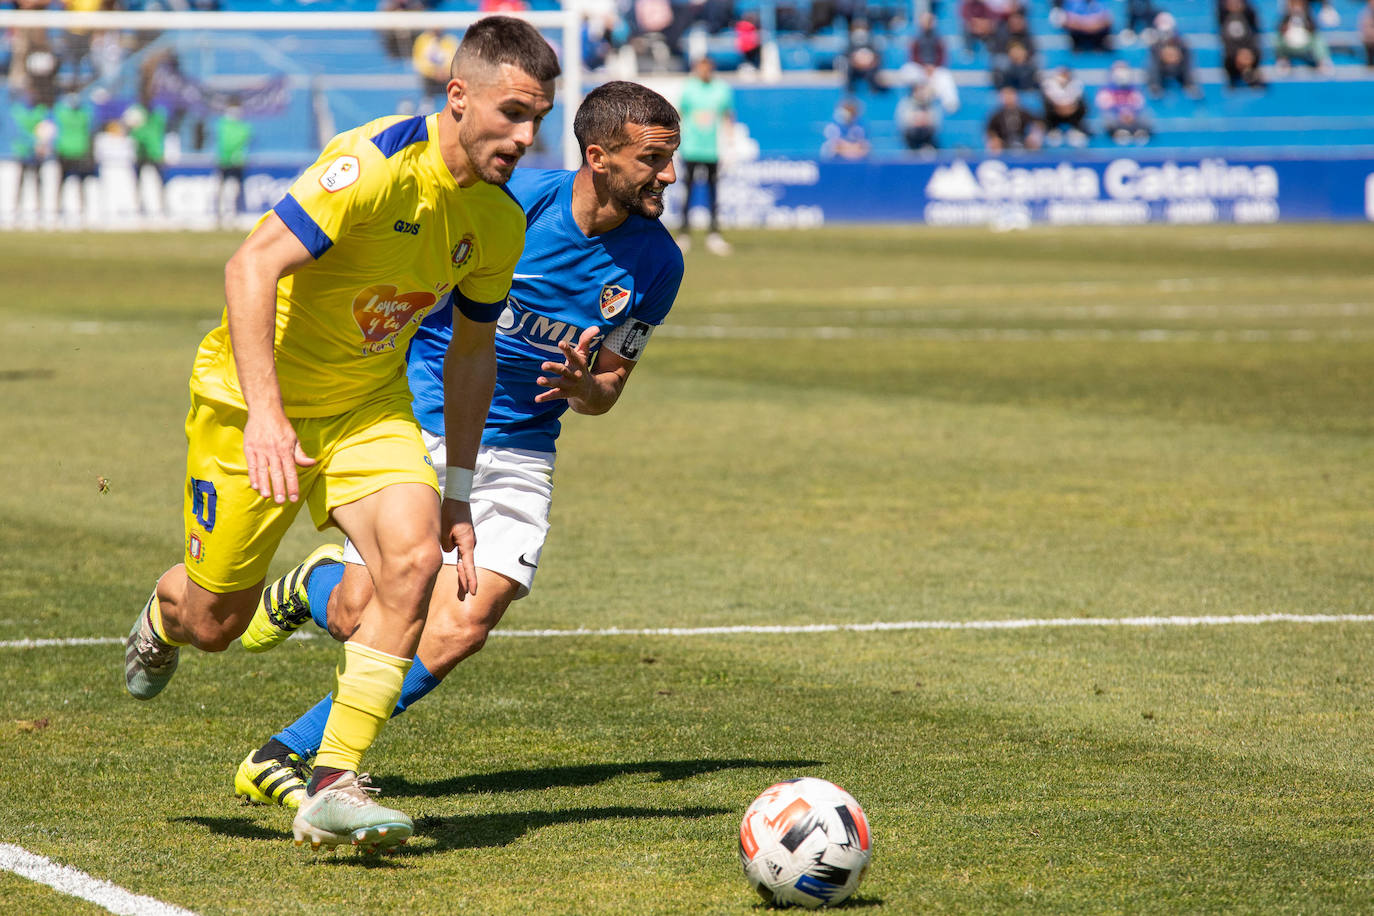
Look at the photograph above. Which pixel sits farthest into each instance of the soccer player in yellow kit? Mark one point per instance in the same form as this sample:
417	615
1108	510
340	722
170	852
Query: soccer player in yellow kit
301	391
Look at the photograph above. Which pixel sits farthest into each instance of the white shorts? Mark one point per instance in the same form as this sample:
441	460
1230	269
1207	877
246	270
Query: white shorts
512	490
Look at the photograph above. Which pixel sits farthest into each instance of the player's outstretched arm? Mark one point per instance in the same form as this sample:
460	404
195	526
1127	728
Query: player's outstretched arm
270	446
590	386
469	379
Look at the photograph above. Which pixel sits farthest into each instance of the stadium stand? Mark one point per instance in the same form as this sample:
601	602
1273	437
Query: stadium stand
351	77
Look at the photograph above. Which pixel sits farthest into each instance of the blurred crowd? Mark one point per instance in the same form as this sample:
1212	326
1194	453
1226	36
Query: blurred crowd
108	111
1040	106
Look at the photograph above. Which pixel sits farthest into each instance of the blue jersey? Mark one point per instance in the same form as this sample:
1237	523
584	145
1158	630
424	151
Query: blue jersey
565	282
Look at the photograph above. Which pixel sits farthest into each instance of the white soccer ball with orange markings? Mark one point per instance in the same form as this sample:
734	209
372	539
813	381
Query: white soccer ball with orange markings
804	842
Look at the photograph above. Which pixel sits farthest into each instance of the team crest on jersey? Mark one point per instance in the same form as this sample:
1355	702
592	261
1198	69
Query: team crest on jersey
382	313
341	173
463	250
195	549
613	300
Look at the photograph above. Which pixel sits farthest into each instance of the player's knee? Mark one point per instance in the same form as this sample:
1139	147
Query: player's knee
447	641
406	575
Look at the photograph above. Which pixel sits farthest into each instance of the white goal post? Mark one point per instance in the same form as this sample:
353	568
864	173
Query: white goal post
566	22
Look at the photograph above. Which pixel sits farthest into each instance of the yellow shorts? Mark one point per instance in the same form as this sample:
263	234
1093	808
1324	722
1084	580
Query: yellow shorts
232	532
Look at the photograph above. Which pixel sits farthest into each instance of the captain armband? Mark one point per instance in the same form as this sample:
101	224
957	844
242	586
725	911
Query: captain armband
628	340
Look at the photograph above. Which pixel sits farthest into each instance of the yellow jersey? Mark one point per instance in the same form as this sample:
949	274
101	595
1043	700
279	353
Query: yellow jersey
392	235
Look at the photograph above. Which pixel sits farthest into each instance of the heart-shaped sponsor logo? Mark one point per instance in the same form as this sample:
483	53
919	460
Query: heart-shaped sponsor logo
382	312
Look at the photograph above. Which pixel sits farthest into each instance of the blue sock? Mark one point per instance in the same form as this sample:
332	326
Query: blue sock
318	587
305	734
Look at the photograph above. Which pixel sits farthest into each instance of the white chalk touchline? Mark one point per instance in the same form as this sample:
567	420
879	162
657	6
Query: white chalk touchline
73	883
1014	624
1141	335
1214	620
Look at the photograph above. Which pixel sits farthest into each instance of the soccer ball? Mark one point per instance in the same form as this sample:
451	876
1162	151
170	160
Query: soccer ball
804	842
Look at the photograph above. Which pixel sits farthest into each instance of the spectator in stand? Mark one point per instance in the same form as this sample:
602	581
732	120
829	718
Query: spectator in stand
1171	60
1121	107
397	43
863	63
1299	40
927	65
1016	27
1017	71
919	115
431	55
980	24
1240	43
1367	32
1088	24
36	60
845	136
749	40
1012	127
1065	109
1140	20
928	47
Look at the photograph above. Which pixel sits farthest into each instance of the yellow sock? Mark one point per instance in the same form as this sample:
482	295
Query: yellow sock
154	610
369	686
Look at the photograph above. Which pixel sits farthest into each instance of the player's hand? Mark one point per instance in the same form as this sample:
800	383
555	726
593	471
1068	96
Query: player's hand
573	379
273	453
456	533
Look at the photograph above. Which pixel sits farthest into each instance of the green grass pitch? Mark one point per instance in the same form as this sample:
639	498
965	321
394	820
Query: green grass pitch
838	426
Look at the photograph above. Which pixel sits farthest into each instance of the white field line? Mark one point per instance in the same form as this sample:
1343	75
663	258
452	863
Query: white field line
73	883
1144	335
877	626
875	293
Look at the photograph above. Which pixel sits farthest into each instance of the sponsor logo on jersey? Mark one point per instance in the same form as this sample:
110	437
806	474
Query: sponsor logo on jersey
539	331
463	250
613	300
382	314
341	173
406	228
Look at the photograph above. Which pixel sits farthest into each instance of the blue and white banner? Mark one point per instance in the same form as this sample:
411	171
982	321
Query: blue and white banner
1121	190
789	193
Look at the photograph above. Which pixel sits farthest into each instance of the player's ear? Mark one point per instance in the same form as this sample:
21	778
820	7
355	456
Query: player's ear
598	159
457	96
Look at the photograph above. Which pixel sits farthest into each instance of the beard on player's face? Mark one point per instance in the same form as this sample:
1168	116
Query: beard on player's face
643	198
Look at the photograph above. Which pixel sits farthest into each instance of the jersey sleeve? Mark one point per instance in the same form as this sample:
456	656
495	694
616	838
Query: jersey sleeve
654	307
346	184
490	281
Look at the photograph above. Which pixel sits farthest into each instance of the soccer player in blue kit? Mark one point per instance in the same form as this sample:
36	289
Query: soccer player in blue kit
598	273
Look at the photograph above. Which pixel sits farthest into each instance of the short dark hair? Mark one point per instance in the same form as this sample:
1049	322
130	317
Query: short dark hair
603	114
498	40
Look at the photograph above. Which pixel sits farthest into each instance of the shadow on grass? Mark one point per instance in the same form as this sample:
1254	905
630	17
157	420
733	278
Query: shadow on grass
853	903
589	775
240	827
483	831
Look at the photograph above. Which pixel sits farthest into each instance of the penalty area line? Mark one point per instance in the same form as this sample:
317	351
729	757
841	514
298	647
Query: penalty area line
67	880
1022	623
